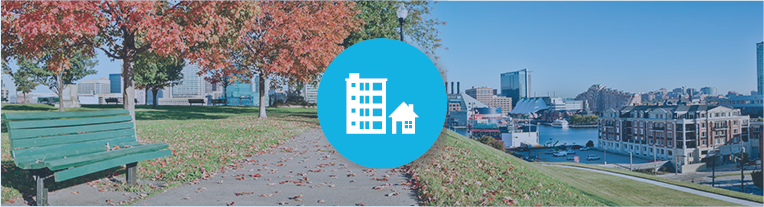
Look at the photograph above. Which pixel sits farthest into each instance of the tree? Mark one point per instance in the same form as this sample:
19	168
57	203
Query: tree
154	72
590	143
120	29
79	67
223	77
287	41
23	81
381	21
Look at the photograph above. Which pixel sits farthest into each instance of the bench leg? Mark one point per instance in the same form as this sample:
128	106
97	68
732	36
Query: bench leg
42	192
131	171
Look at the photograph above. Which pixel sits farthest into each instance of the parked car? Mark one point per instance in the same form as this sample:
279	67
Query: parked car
549	152
560	154
592	157
585	149
571	157
571	152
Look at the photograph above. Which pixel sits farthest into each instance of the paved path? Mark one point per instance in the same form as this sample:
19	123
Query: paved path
670	186
304	171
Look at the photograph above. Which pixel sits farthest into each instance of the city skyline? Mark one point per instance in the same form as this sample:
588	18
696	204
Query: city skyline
570	46
593	43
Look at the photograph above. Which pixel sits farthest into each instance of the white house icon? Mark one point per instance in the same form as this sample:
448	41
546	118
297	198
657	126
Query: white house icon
405	114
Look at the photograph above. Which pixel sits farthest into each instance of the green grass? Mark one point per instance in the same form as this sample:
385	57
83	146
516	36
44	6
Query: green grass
203	139
617	191
750	197
461	171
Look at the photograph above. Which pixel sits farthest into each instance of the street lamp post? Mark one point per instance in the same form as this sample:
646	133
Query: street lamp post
604	150
402	13
631	162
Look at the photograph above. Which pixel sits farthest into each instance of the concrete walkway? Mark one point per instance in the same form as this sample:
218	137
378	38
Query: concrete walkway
670	186
304	171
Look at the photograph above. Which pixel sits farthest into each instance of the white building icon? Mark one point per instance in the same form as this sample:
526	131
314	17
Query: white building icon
366	102
404	115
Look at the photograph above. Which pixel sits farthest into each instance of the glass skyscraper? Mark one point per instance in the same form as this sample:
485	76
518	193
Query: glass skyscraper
516	85
115	83
760	67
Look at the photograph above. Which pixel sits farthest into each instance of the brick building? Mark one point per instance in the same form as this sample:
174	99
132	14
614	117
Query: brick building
488	97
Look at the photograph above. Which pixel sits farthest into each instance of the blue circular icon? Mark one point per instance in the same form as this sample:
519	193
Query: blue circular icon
381	103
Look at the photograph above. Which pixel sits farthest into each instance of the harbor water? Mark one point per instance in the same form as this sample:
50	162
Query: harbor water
570	136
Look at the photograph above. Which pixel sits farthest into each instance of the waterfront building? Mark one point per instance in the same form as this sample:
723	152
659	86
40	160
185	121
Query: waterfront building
751	105
687	133
538	105
365	105
488	97
460	108
516	85
94	86
191	85
756	133
601	98
115	83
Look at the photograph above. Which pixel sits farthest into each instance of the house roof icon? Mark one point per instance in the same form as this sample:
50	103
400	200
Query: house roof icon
404	111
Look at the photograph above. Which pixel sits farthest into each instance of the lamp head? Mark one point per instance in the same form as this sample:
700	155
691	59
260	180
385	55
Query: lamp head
402	11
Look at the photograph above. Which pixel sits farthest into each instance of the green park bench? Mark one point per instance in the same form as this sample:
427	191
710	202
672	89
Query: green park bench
112	100
218	101
67	145
195	100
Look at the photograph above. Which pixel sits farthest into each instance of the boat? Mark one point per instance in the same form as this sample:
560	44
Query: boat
560	123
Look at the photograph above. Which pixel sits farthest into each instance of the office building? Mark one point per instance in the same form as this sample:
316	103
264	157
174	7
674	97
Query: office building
9	89
600	98
191	85
760	67
711	91
310	92
516	85
752	105
115	81
687	133
94	86
488	97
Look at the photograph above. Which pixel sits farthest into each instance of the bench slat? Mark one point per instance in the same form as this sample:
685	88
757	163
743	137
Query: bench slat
58	115
106	164
66	122
70	139
33	164
42	132
59	151
100	156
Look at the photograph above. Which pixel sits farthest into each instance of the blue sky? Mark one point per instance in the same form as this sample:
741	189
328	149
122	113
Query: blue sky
630	46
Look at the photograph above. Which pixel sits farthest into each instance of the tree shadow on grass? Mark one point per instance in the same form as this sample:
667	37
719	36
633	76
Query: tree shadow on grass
27	107
22	180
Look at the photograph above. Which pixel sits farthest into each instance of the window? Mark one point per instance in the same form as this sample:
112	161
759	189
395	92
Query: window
377	86
377	112
377	125
362	86
352	111
352	98
352	123
367	86
364	99
408	124
377	99
352	85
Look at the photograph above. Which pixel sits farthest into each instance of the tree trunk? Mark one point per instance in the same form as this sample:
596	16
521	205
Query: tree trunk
262	92
60	92
128	90
225	94
146	102
154	94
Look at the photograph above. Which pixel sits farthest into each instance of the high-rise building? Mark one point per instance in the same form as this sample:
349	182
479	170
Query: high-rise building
94	86
9	89
711	91
760	67
516	85
191	85
366	101
310	93
115	83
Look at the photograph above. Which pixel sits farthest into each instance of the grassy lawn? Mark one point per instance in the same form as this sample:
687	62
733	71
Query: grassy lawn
617	191
460	171
710	189
203	139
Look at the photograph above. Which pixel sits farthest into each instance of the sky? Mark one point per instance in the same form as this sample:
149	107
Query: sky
629	46
569	46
